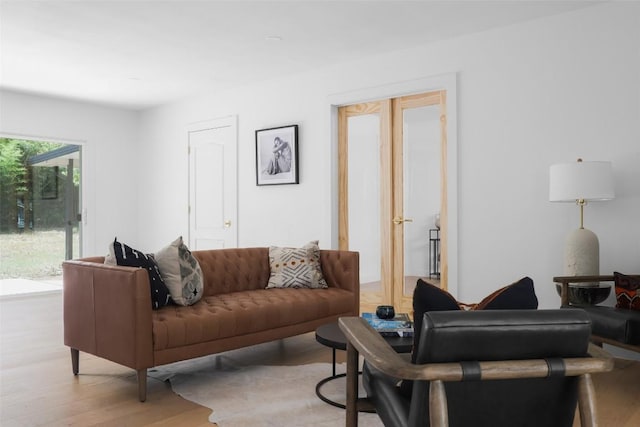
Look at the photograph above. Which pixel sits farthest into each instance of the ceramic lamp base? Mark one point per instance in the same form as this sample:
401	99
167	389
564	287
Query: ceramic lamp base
582	253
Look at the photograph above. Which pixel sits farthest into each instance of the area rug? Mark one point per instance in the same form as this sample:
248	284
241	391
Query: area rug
262	395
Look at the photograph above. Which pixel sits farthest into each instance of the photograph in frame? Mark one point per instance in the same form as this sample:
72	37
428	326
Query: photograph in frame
277	155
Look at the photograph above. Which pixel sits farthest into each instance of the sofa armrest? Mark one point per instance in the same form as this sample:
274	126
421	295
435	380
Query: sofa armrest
107	312
341	269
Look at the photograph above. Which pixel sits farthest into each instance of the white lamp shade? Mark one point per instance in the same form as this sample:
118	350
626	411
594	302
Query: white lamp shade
569	182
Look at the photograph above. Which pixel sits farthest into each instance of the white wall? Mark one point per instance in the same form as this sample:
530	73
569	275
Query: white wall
110	158
529	95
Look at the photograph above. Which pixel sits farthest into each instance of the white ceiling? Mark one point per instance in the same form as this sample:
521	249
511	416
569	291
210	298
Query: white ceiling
138	54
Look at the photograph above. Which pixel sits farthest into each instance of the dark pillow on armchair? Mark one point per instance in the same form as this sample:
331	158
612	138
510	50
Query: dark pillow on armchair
519	295
427	297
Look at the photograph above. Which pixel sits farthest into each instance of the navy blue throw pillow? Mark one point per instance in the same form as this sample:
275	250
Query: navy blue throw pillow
130	257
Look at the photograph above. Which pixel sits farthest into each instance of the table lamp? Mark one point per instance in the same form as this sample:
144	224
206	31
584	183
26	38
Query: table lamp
581	182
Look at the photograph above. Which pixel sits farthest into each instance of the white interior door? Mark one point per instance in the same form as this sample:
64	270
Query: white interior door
213	208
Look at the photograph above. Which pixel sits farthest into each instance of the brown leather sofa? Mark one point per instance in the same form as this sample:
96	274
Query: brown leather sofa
107	309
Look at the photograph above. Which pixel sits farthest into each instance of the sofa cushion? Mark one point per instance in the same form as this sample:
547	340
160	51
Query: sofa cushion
237	314
121	254
181	272
627	291
296	267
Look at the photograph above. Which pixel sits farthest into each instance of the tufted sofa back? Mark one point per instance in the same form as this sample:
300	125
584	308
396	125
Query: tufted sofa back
242	269
233	269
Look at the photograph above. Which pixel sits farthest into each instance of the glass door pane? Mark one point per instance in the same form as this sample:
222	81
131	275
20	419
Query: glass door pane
363	134
421	194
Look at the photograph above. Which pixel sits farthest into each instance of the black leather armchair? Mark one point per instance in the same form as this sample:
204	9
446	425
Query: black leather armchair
485	368
609	325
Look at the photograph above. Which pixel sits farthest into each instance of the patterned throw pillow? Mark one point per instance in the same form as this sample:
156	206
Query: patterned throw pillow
627	291
296	267
181	272
122	254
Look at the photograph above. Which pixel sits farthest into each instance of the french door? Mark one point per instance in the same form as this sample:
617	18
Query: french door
392	194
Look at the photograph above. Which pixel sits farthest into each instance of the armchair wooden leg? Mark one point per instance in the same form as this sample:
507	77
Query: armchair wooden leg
587	401
352	386
75	361
438	413
142	385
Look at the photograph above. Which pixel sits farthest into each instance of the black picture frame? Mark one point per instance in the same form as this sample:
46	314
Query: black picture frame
48	182
277	156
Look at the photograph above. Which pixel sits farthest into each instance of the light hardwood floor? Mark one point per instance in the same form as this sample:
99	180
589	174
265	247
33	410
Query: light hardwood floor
38	388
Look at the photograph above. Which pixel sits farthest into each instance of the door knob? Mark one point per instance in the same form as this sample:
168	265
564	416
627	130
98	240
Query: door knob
227	224
398	220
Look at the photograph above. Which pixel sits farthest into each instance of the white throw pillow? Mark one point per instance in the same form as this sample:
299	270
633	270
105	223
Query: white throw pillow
181	272
296	267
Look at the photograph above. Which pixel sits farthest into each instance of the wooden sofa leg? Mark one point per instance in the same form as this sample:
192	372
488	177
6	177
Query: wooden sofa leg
142	384
75	361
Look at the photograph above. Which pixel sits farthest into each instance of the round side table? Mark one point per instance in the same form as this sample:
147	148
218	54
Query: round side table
331	336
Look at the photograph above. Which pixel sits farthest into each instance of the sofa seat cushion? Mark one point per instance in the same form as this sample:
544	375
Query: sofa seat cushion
615	323
246	312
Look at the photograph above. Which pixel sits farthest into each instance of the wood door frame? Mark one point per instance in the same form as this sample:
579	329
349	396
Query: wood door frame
447	82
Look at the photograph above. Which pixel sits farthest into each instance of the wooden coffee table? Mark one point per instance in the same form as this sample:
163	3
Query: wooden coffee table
331	336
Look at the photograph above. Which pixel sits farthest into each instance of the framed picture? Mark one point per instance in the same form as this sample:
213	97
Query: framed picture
277	155
49	182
